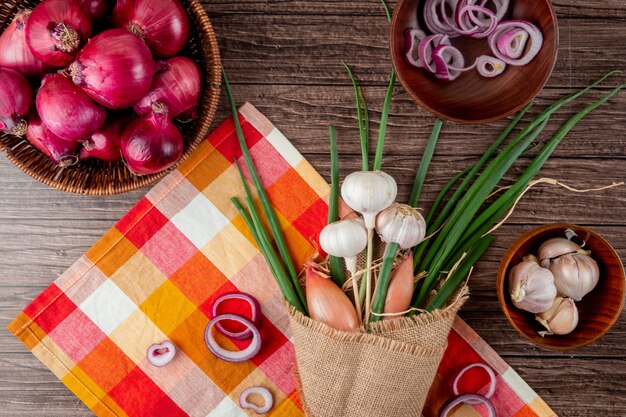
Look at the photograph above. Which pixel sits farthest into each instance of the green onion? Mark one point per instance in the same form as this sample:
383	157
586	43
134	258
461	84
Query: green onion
387	12
420	176
363	127
336	264
378	160
265	203
383	280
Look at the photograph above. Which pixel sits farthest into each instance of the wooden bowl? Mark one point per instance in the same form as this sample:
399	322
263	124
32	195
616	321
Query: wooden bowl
104	178
598	311
472	98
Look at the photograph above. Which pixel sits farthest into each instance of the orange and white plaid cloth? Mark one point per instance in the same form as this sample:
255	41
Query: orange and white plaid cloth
155	274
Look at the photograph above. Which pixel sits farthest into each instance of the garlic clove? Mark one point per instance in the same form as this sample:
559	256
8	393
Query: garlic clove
560	319
328	303
401	285
555	247
401	224
531	286
344	238
575	274
369	193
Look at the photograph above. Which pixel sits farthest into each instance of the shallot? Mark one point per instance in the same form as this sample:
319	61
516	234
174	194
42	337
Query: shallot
115	69
16	102
56	30
14	51
66	110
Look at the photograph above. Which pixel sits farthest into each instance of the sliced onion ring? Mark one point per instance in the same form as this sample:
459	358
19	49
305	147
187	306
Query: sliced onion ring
268	400
489	66
435	11
230	355
412	38
255	316
448	62
470	24
536	41
426	47
465	399
160	354
512	42
492	381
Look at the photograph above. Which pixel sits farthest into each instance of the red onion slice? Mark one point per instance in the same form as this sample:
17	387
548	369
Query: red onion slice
425	49
255	315
268	400
229	355
412	38
492	381
470	24
512	42
448	62
489	66
464	399
438	18
160	354
536	41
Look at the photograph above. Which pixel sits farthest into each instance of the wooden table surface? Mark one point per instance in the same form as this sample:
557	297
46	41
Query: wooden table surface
285	57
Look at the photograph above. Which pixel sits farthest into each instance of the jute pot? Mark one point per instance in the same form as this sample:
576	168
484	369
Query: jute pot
386	372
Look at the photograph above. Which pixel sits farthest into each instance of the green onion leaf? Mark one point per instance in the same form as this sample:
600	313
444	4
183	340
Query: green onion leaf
336	264
420	176
382	131
363	128
383	280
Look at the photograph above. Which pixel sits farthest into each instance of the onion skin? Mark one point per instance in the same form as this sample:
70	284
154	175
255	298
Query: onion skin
115	69
16	102
104	144
97	9
14	51
176	86
328	303
66	110
400	290
60	151
151	144
56	29
162	24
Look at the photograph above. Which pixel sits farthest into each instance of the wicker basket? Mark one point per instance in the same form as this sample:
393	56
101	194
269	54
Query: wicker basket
104	178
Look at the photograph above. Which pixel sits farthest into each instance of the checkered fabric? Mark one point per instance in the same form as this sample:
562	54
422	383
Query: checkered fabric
156	273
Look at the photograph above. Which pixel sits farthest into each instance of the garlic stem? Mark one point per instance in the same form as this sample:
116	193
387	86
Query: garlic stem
368	273
351	267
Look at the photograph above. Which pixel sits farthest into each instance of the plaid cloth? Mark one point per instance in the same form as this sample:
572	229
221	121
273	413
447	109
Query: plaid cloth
156	273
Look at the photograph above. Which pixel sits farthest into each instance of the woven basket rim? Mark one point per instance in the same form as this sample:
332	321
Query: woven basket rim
79	179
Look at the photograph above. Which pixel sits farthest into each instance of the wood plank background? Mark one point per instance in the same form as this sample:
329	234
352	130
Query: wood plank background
285	57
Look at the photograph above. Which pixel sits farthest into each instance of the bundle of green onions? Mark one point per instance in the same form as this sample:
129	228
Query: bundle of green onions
416	273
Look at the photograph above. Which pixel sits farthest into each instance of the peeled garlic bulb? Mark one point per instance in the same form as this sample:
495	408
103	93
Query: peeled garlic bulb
328	303
401	224
532	287
555	247
369	193
561	318
575	274
344	239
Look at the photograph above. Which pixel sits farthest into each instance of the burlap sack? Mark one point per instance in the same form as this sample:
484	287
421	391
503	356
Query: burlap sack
384	373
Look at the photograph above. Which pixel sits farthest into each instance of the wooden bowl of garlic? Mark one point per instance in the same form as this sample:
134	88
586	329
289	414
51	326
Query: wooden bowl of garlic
561	286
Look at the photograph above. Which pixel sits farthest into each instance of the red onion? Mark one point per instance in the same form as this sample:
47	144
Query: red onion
426	47
413	37
66	110
14	51
160	354
55	31
512	42
151	143
488	370
511	56
268	400
97	9
255	315
104	144
176	86
60	151
16	102
115	69
163	24
469	24
489	66
439	18
465	399
229	355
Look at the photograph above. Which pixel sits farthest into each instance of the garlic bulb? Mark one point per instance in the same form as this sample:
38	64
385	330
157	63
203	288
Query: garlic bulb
561	318
575	274
369	193
345	239
400	289
532	287
555	247
401	224
327	303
